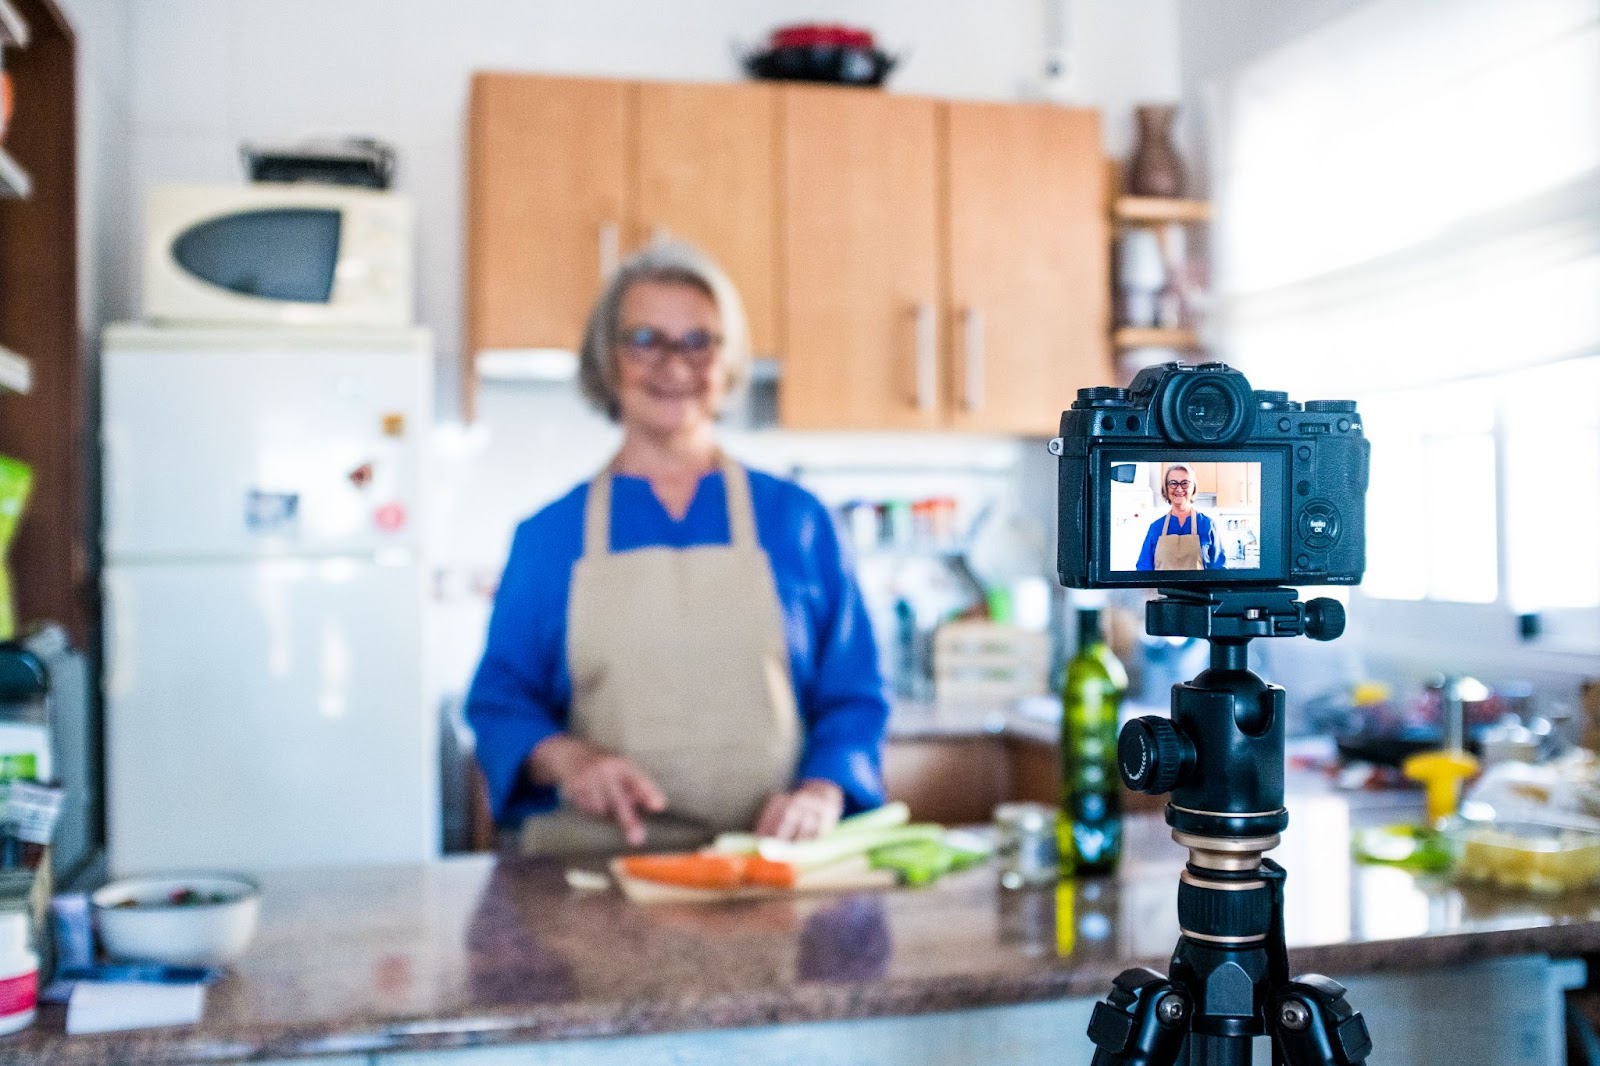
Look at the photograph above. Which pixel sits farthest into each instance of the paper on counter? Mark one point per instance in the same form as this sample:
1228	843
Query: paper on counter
108	1006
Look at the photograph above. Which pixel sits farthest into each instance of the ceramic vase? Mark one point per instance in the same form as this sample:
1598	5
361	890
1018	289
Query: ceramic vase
1155	169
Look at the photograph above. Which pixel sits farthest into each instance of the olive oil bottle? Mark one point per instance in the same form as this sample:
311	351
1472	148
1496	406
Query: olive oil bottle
1089	829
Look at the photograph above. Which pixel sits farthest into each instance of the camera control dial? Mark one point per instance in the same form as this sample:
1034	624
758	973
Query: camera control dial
1153	755
1324	618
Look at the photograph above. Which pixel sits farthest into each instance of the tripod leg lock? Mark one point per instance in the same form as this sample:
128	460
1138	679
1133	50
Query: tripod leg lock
1312	1022
1142	1022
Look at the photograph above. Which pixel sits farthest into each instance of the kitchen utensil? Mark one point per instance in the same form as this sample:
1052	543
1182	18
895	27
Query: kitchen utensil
854	874
839	55
139	920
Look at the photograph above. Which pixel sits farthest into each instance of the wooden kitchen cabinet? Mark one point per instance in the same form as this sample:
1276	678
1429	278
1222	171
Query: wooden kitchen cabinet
705	171
569	175
911	263
1028	303
1238	484
546	204
861	260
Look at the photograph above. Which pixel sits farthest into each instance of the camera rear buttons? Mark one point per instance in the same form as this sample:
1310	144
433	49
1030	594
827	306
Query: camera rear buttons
1319	525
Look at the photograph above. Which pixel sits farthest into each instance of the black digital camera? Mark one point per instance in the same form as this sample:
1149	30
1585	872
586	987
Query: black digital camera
1190	477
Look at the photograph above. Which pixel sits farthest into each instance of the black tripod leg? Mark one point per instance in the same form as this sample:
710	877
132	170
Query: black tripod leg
1141	1023
1312	1024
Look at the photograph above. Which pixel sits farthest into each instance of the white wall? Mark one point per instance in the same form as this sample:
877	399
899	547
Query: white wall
207	74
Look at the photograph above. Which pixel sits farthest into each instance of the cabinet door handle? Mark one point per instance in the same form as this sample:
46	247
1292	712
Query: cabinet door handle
927	356
610	249
973	357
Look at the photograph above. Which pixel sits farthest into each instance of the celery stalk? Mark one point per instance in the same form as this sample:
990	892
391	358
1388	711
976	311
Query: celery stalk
889	816
809	854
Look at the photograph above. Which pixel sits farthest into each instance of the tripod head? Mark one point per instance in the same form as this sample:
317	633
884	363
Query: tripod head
1221	752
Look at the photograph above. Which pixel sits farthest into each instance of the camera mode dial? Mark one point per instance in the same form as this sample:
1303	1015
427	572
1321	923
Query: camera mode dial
1152	755
1268	400
1101	396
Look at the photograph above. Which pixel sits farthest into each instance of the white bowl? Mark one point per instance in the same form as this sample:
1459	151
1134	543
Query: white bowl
154	929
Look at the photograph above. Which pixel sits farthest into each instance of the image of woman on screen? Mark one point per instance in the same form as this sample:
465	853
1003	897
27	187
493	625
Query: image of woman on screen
1183	538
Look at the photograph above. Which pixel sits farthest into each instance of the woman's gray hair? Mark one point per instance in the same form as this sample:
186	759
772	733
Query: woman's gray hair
1168	473
671	262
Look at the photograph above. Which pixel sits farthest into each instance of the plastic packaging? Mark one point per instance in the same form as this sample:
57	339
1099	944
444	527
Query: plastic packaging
1531	856
19	973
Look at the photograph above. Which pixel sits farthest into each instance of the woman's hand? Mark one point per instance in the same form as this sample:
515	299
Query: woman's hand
804	814
599	783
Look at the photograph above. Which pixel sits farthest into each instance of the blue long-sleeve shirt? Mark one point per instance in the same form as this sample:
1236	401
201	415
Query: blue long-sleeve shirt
523	689
1212	555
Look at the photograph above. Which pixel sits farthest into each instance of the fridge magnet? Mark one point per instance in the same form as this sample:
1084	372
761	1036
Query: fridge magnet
271	512
394	424
361	476
391	517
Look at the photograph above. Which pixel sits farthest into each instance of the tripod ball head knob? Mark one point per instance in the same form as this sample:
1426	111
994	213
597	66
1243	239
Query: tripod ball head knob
1324	618
1152	755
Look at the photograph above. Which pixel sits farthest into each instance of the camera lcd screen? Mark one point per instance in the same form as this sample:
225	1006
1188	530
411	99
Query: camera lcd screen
1199	518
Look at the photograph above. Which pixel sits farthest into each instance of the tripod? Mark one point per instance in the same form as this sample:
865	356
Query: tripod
1221	757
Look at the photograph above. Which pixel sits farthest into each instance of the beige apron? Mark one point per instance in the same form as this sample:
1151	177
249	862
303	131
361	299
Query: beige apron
679	663
1179	551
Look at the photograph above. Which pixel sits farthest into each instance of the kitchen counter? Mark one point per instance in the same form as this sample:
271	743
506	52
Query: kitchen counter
483	950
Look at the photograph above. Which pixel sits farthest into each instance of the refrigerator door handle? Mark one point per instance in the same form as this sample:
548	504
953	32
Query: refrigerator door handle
118	635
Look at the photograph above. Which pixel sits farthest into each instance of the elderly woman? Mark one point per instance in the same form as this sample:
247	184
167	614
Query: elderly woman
1183	538
679	646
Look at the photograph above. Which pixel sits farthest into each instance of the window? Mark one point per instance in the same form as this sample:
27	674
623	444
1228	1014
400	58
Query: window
1408	213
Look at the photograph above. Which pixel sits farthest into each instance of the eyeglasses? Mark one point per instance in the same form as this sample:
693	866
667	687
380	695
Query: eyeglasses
1177	484
649	346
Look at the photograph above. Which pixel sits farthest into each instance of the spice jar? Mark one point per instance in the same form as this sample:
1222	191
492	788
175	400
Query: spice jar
19	973
1025	845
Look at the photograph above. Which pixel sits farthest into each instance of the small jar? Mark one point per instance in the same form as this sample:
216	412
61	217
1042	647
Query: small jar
19	973
1025	845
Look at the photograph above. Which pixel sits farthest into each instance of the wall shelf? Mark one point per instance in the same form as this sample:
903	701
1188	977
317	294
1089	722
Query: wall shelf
13	28
16	373
1131	337
14	181
1153	209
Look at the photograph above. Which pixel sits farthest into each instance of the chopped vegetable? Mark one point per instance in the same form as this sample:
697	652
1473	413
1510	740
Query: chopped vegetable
178	897
918	862
689	870
768	874
809	854
888	816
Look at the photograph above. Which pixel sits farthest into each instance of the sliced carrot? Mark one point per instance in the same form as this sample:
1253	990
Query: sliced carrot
688	869
766	873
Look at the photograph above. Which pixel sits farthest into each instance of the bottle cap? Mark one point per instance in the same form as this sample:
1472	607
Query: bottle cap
14	933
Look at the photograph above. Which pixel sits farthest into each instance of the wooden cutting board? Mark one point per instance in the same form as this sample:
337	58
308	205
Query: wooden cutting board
848	875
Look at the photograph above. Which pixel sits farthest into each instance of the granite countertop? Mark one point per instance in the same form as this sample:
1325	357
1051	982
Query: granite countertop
483	950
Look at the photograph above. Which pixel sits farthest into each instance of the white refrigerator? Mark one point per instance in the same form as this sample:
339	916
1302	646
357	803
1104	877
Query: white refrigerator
263	583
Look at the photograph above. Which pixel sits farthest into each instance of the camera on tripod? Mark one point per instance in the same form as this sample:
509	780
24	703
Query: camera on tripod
1287	482
1292	478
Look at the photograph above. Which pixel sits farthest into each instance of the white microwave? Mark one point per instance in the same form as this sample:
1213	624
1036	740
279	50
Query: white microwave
277	254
